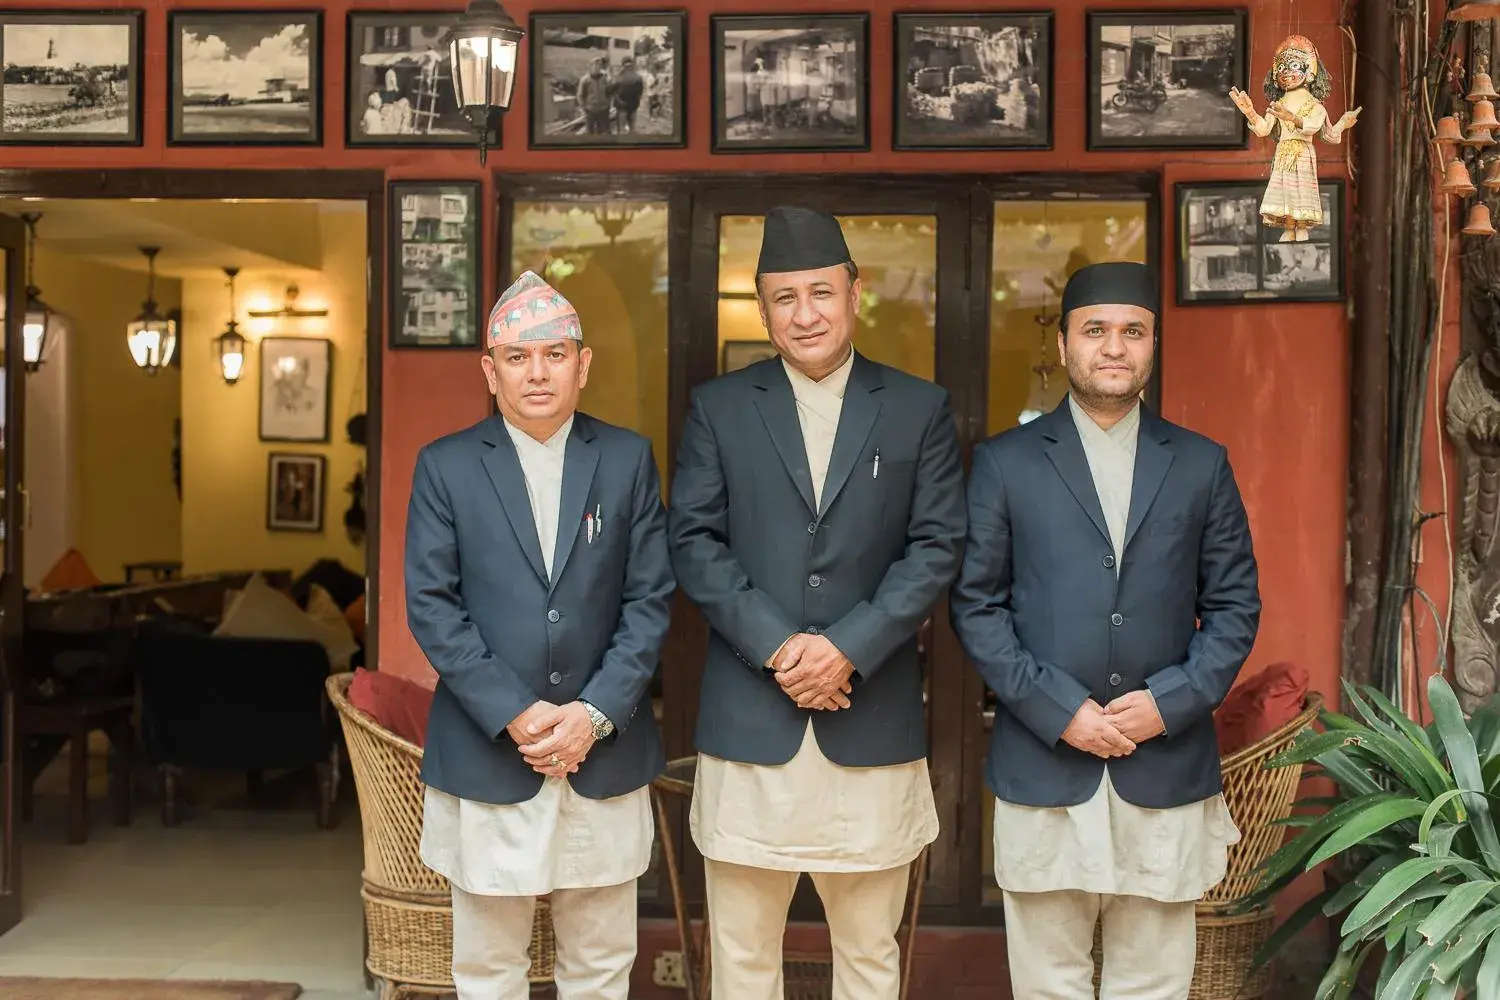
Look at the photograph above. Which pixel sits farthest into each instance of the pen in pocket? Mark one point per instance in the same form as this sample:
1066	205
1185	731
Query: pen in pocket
875	469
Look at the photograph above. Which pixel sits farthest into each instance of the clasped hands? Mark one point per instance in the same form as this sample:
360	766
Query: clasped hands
1115	729
554	739
813	672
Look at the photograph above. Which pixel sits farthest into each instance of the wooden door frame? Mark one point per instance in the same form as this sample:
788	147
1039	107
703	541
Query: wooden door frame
13	240
368	186
954	892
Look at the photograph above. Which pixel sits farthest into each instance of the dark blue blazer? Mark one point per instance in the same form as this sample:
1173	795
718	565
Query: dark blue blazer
501	636
1039	610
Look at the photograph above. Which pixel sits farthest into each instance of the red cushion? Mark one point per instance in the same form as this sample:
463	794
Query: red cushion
395	703
1260	706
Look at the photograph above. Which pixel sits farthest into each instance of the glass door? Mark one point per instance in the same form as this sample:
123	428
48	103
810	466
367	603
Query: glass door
909	245
12	374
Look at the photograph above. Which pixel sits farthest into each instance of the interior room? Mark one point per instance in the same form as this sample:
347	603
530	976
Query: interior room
195	567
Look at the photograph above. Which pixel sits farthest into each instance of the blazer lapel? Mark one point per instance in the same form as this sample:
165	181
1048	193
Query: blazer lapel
504	470
1152	460
1066	454
856	420
579	462
778	410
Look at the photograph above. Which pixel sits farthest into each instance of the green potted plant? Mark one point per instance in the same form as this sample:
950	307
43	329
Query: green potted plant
1412	822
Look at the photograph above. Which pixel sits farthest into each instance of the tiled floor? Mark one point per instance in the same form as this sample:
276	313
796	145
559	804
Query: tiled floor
230	893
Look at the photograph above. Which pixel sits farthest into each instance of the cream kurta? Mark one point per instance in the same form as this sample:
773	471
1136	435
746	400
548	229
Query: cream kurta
1107	845
810	814
558	839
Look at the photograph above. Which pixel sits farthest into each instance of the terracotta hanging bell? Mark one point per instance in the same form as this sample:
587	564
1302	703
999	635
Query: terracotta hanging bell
1481	88
1475	10
1479	221
1491	180
1448	130
1456	178
1484	115
1478	137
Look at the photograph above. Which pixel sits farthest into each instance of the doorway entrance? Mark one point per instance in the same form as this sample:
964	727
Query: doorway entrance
962	276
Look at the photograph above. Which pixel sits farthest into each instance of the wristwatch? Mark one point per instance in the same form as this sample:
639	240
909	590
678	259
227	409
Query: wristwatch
602	726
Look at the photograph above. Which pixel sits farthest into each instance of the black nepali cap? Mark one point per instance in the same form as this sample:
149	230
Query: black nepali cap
800	239
1120	283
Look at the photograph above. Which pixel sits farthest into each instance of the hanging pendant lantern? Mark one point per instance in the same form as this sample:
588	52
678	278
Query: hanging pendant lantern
230	343
39	326
152	337
1479	221
1456	179
482	51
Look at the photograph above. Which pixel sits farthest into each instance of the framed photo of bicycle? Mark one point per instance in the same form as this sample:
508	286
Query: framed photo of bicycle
1161	80
71	78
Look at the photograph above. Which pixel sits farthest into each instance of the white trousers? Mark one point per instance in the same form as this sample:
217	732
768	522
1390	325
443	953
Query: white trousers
596	943
747	921
1149	947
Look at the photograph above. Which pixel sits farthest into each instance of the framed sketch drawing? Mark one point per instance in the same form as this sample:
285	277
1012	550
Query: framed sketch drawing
1227	254
245	77
737	354
294	492
435	287
973	81
71	78
296	377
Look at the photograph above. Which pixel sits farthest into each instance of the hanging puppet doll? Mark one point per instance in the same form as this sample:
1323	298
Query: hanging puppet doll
1296	86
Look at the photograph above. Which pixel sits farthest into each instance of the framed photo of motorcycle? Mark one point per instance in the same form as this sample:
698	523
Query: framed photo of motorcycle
1162	79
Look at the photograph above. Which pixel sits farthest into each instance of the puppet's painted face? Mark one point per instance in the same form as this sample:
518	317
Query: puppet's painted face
1292	70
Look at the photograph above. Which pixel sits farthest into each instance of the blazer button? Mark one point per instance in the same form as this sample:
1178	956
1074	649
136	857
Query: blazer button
812	529
1117	619
1109	561
815	581
554	678
553	616
1115	680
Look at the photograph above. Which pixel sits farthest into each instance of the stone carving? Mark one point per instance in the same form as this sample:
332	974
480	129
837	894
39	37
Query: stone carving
1473	419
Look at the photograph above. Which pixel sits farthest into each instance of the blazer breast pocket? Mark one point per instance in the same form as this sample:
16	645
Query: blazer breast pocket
1172	524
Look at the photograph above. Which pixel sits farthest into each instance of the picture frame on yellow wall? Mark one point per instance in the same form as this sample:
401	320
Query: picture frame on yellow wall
737	354
296	378
295	491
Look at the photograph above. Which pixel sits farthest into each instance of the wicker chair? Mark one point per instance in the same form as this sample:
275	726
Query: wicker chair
408	908
1257	798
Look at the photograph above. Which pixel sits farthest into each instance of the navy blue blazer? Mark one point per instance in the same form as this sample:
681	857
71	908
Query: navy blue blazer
1040	612
501	636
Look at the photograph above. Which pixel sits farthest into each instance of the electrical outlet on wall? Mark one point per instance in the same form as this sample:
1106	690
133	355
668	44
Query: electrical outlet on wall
667	969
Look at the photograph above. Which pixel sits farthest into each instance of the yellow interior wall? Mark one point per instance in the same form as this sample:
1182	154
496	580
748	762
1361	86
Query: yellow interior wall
128	510
225	464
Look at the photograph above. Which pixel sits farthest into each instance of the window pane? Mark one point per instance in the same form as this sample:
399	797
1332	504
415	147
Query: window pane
897	258
1037	246
609	259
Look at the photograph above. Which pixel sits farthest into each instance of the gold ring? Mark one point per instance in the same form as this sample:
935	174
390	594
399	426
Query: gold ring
556	761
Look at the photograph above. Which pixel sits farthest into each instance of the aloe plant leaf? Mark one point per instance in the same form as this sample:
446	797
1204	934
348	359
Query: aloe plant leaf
1352	778
1413	732
1311	746
1350	892
1403	878
1413	971
1439	843
1289	857
1475	933
1388	967
1453	910
1435	807
1464	760
1363	825
1487	985
1439	990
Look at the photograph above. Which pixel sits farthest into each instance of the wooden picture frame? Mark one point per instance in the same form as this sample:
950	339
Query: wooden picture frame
296	381
1143	96
939	106
296	490
224	108
396	57
655	44
1226	254
762	91
435	259
43	112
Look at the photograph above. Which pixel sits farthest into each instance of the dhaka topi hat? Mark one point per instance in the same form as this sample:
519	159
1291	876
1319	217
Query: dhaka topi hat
800	239
531	309
1115	283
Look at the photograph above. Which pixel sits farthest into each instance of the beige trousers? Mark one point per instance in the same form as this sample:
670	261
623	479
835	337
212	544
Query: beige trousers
596	943
1149	947
747	921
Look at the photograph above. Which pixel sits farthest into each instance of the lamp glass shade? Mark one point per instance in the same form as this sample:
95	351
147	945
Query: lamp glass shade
38	334
152	341
484	72
231	354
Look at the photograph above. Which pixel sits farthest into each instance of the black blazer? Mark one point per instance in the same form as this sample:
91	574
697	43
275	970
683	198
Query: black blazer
501	637
1039	610
753	553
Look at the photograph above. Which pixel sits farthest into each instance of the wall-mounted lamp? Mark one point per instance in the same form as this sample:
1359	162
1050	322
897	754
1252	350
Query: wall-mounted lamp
482	50
39	329
231	344
151	337
288	310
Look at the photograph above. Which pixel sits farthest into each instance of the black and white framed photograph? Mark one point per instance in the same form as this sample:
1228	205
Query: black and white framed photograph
71	78
608	79
791	83
737	354
1161	80
296	378
435	258
400	88
294	492
973	81
245	77
1227	254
